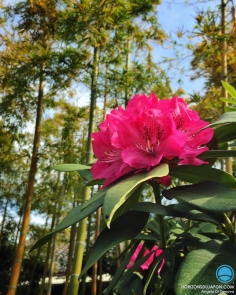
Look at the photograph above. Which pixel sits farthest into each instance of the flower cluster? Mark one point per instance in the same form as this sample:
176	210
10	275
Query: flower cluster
156	252
149	131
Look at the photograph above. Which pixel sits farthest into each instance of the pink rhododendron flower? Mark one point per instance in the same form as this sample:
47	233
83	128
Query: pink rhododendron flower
157	252
149	131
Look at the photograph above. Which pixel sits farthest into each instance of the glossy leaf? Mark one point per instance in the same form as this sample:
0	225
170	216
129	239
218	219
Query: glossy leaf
129	203
170	211
218	154
117	194
195	174
75	215
229	117
124	228
199	267
207	195
187	207
225	133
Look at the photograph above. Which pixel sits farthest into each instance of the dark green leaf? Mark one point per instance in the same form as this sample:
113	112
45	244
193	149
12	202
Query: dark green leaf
168	211
86	175
121	269
195	174
213	215
226	133
218	154
132	285
208	195
125	227
73	217
199	267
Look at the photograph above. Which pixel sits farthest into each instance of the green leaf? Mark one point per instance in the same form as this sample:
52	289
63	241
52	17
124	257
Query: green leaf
218	154
94	198
124	228
227	100
152	273
71	167
200	266
230	89
207	195
225	133
229	117
137	264
132	285
86	175
195	174
117	194
73	217
94	182
129	203
83	170
230	109
169	211
212	215
167	269
121	269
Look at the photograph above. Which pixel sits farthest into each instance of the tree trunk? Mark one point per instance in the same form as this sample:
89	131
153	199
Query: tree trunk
81	234
127	67
3	221
95	266
70	257
83	281
36	261
70	254
53	253
41	292
29	193
224	70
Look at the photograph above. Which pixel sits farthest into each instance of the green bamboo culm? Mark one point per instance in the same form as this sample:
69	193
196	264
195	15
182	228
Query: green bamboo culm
81	233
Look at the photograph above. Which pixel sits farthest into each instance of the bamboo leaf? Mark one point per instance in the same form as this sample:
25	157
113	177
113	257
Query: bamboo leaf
230	89
71	167
228	100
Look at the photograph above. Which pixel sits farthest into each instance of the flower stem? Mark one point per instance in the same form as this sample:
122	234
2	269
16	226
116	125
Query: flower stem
160	218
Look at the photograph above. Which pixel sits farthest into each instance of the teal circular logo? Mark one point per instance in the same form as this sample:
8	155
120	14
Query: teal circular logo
224	273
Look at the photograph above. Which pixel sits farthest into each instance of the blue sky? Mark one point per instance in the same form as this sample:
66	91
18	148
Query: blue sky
174	16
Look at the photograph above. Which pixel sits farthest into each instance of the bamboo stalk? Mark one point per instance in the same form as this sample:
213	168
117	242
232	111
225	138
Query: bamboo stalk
81	234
